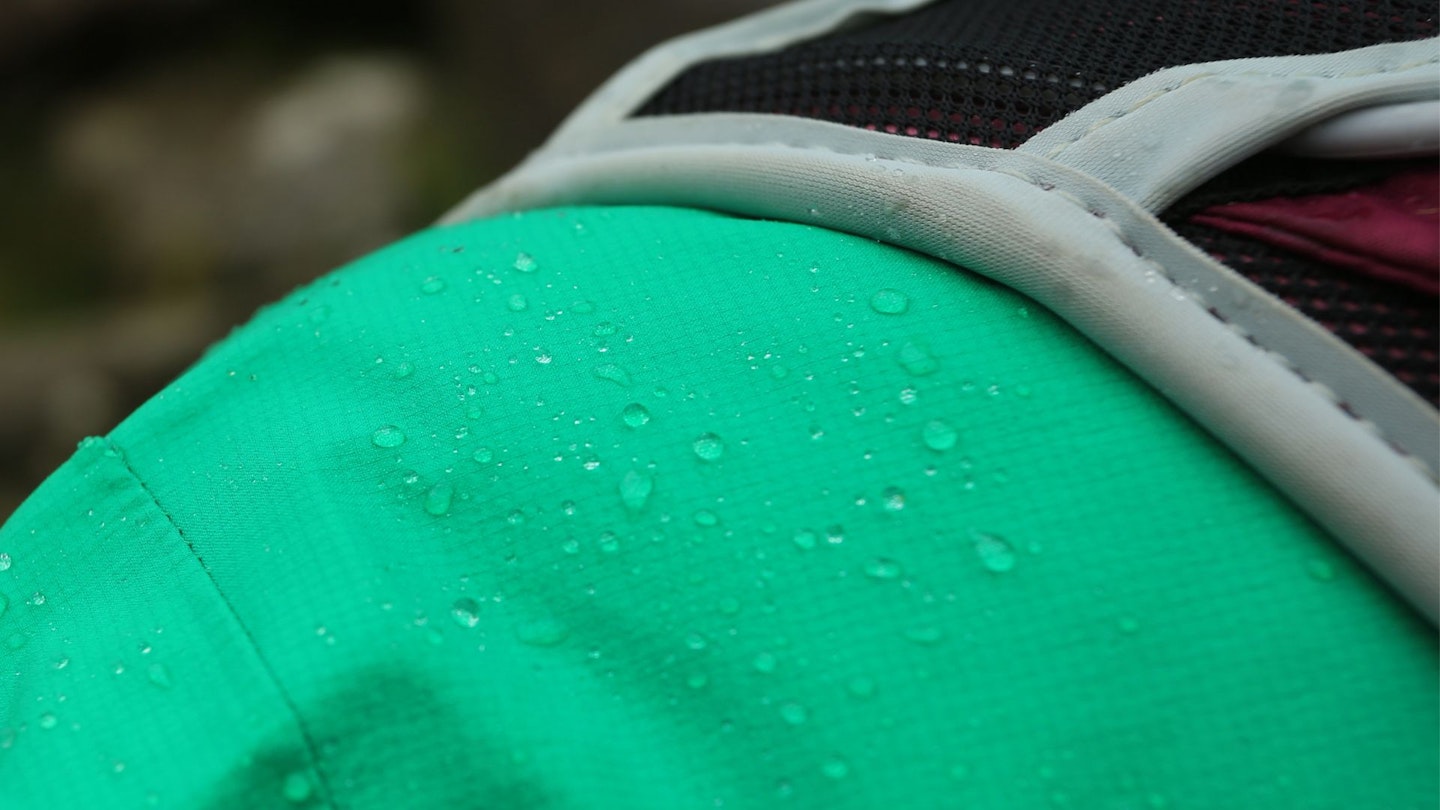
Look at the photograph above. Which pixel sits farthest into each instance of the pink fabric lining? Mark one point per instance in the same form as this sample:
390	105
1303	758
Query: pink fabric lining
1389	230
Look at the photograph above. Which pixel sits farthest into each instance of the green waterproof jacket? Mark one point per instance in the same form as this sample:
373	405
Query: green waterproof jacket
729	462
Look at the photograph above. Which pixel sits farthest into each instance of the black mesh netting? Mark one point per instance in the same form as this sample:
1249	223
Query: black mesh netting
995	72
1397	327
1394	327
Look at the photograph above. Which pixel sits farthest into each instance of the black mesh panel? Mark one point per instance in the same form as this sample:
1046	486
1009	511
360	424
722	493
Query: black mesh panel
994	72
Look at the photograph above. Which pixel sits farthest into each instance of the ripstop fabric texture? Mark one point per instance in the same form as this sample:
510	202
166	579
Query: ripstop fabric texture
659	508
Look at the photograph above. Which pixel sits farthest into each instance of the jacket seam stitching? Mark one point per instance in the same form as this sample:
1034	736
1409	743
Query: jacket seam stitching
311	748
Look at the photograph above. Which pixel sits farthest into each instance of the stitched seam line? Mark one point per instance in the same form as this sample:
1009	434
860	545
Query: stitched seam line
311	749
1097	125
1156	267
1196	298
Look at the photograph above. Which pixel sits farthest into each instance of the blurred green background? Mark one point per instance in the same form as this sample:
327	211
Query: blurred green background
170	165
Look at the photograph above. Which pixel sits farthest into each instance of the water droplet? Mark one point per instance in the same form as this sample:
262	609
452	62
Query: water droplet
437	500
635	489
542	632
37	598
517	303
916	359
882	569
609	543
48	720
925	635
432	285
570	546
465	612
765	663
613	373
483	455
794	713
404	369
605	329
697	681
835	768
297	787
1318	569
525	263
709	447
387	437
583	307
889	302
893	498
779	372
158	675
635	415
995	552
835	535
705	517
4	562
861	687
805	539
908	396
939	435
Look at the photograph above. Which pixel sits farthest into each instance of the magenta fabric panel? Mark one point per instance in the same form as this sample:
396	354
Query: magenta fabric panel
1389	230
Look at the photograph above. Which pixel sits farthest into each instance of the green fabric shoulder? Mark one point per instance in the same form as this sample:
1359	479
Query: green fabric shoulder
658	508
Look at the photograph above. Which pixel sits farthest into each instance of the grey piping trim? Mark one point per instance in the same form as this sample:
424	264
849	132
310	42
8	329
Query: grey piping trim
1160	136
1265	380
1401	417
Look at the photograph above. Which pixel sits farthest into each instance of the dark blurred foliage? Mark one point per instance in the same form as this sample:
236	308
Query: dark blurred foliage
170	165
